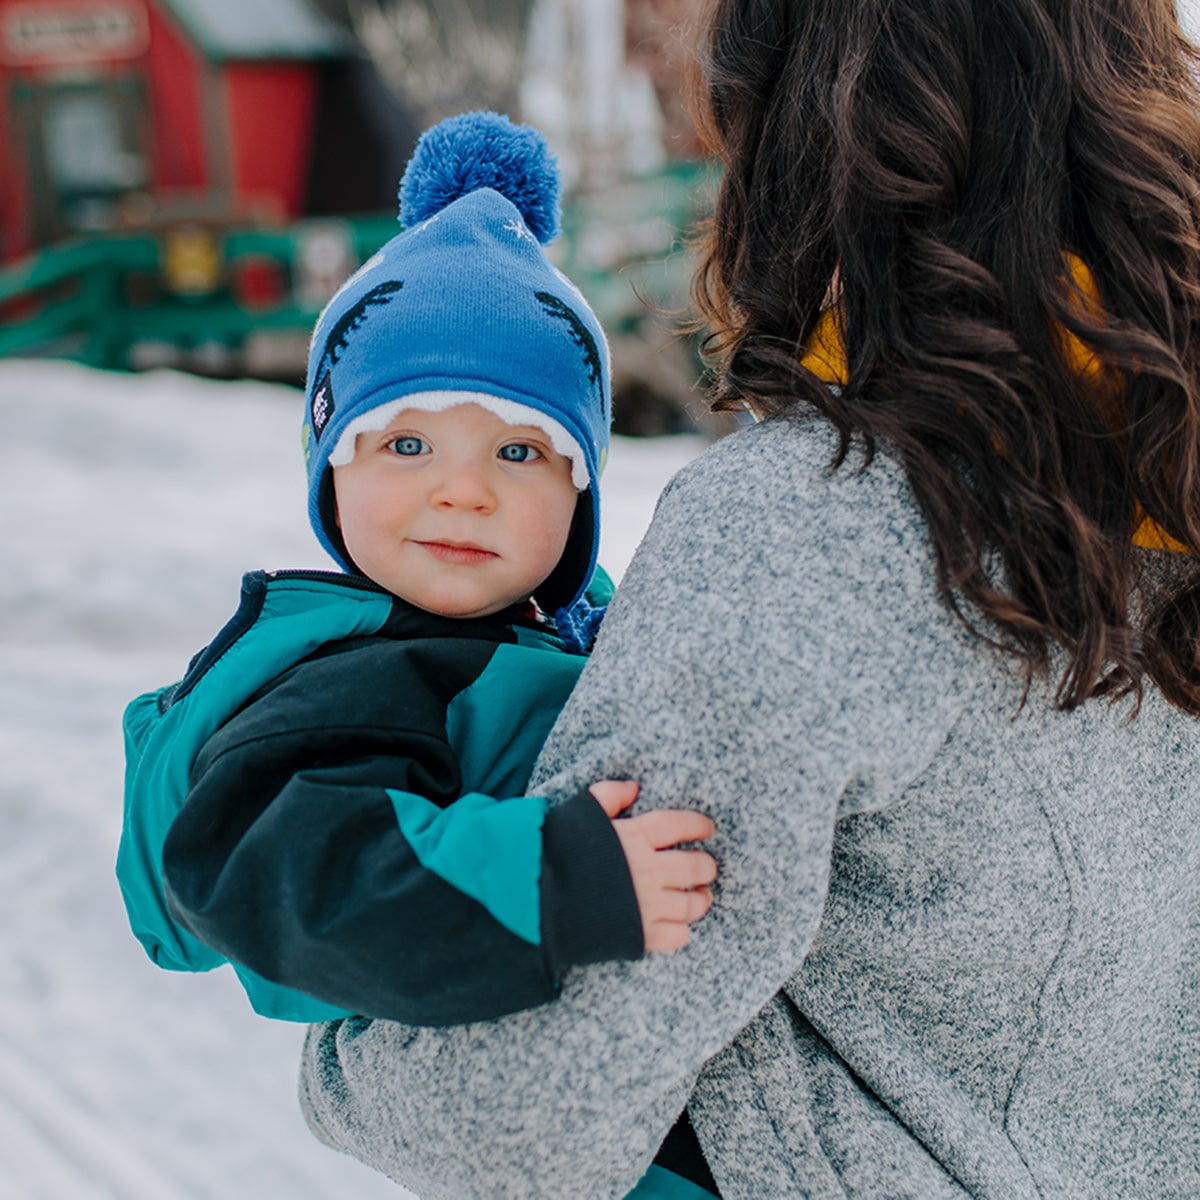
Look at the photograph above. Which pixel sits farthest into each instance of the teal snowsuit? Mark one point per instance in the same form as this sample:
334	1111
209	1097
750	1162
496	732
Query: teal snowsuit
332	799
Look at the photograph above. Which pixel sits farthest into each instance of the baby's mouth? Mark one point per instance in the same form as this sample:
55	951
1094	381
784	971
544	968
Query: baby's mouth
460	553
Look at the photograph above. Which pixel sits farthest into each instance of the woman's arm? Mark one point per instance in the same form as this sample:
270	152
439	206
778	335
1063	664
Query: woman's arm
776	655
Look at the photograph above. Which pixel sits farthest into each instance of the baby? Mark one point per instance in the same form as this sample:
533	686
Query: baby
332	798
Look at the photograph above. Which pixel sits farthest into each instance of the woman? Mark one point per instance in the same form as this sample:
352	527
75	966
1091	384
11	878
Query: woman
923	640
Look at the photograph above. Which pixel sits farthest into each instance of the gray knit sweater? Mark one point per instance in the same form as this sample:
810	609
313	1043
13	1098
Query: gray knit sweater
955	949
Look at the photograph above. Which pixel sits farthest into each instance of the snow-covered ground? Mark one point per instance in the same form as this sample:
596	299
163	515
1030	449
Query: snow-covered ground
130	506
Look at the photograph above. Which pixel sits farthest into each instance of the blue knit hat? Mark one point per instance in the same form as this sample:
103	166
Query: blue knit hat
465	307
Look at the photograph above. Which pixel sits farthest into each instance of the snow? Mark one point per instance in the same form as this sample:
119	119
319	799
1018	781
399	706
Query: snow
131	505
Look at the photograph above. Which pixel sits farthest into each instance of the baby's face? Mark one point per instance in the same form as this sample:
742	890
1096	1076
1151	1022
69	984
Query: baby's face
457	511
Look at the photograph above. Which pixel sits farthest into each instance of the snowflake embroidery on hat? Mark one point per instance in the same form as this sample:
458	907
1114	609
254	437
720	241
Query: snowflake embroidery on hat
521	230
415	228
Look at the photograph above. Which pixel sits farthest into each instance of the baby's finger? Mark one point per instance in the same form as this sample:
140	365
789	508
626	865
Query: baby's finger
614	795
665	937
670	826
685	869
682	907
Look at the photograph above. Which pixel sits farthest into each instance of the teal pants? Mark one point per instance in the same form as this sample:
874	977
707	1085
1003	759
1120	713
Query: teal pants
660	1184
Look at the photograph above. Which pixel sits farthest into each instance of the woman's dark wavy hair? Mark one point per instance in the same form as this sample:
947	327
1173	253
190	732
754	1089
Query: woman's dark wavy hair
925	166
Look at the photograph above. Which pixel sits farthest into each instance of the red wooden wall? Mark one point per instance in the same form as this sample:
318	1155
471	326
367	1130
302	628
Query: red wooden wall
271	109
174	68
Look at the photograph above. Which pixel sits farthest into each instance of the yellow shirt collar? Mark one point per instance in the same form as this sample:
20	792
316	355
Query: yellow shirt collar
825	357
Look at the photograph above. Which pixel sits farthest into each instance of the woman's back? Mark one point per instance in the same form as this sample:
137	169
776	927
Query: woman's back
1002	996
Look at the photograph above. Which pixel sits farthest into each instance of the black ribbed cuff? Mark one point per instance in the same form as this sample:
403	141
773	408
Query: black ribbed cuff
589	909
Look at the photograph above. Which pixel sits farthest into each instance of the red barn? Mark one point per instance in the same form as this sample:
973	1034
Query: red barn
147	116
116	110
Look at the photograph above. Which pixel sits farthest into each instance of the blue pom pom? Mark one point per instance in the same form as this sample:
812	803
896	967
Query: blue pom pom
483	150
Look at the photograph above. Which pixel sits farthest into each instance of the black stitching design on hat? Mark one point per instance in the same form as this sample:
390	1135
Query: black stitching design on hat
581	335
354	316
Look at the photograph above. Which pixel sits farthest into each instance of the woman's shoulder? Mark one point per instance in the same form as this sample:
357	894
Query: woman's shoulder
782	478
763	525
799	446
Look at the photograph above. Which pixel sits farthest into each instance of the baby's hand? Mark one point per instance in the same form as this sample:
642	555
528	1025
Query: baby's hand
670	885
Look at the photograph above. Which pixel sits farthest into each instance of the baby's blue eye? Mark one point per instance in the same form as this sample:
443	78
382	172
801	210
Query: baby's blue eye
518	452
408	446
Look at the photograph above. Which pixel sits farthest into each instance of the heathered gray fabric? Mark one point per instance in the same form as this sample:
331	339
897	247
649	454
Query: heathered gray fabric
955	949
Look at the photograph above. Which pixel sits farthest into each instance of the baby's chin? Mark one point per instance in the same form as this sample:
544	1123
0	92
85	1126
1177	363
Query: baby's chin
464	608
